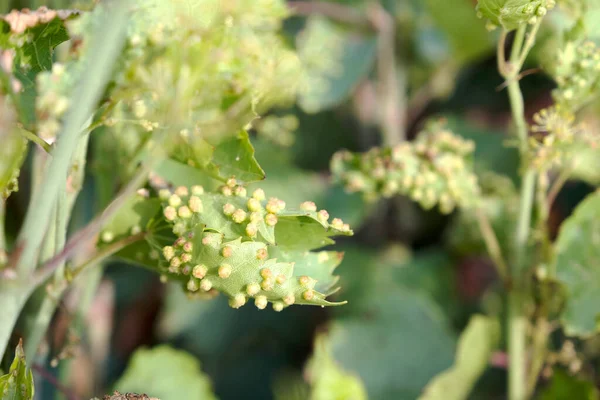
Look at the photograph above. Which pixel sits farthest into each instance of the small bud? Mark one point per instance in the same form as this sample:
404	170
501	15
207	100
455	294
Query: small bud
164	194
280	279
308	206
237	301
278	306
197	190
289	299
253	204
259	195
200	271
188	247
308	294
205	284
238	216
108	236
252	289
227	251
170	213
225	271
261	302
251	230
271	219
226	191
182	191
337	224
174	200
168	252
231	182
228	209
240	191
323	216
192	285
184	212
195	204
262	254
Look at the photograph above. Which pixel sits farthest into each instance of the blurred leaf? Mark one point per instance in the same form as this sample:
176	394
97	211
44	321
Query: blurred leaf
466	33
12	154
577	254
510	14
166	373
18	383
566	387
397	341
476	344
180	174
586	165
134	216
336	60
328	380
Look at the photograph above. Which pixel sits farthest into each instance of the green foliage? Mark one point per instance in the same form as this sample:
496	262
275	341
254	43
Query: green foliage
165	373
566	387
434	169
18	383
480	338
328	380
510	14
12	151
577	249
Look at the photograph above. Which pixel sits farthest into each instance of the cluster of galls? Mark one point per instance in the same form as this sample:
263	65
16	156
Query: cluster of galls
577	73
555	137
239	269
52	101
510	15
434	169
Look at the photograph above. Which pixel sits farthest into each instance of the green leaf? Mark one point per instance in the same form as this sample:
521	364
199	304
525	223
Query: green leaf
328	380
297	230
396	341
336	60
577	253
12	154
165	373
18	383
510	14
465	32
133	217
566	387
476	344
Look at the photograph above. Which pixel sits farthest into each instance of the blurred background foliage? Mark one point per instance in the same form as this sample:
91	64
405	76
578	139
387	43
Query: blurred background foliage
412	278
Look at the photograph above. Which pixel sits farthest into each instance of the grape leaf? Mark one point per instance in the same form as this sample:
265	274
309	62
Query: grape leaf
18	383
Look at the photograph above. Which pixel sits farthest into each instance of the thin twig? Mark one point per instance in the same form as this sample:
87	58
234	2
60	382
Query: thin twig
336	11
522	75
35	139
491	243
500	52
68	392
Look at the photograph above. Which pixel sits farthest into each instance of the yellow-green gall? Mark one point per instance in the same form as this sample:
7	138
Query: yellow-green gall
278	306
170	213
289	299
255	217
184	212
266	272
164	194
200	271
251	229
238	216
323	257
307	282
175	262
135	229
195	204
225	271
192	285
174	200
262	254
280	279
226	191
252	289
231	182
237	301
323	216
179	228
337	224
261	302
274	205
182	191
267	284
271	219
188	247
308	206
108	236
228	209
240	191
308	294
253	204
259	195
186	257
168	252
346	228
227	251
206	284
197	190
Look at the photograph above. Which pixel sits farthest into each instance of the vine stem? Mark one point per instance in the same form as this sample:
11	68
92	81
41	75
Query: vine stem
491	243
